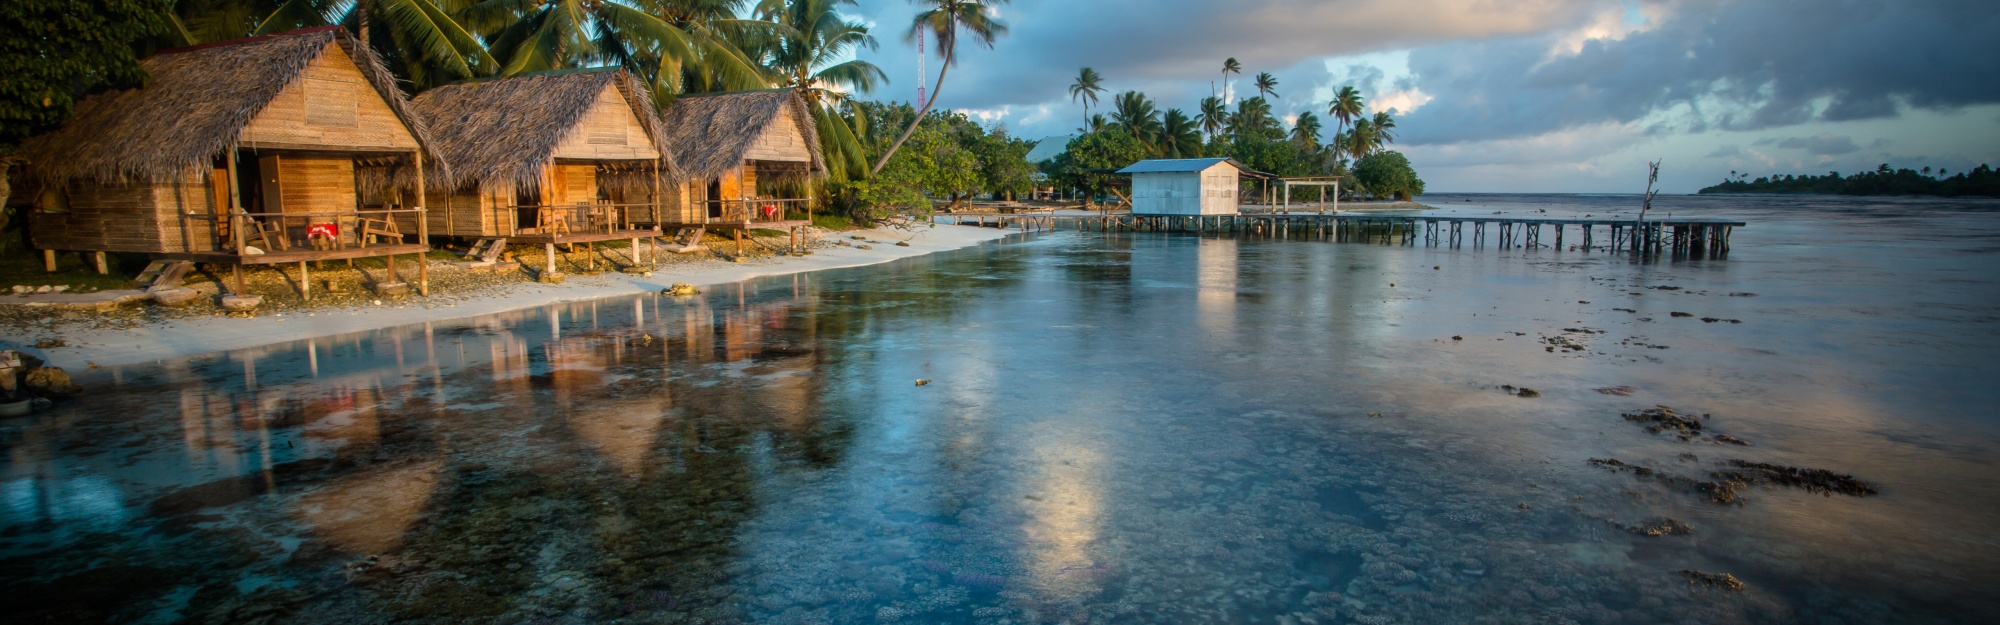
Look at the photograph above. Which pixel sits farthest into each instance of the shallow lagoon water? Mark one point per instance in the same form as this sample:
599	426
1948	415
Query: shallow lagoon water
1145	428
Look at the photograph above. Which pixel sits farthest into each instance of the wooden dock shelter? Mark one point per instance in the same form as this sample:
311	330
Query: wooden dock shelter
740	154
560	157
262	151
1187	186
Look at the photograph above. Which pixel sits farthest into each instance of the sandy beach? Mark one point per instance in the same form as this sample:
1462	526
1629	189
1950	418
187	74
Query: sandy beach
85	345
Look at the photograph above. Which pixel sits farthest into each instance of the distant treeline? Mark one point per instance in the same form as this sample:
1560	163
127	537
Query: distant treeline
1982	180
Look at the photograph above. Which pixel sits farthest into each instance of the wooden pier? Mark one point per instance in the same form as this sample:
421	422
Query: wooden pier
1685	237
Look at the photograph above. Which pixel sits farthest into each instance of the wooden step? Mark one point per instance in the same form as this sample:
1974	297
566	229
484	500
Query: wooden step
163	274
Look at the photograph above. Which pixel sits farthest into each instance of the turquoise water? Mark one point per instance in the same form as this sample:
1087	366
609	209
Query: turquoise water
1126	428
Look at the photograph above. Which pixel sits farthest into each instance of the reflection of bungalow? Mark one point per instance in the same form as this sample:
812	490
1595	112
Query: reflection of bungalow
568	156
748	158
1186	186
255	151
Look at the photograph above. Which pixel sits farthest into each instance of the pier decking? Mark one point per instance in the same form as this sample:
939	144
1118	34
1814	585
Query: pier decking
1691	237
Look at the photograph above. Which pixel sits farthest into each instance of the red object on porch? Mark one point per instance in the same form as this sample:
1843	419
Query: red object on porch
770	211
331	231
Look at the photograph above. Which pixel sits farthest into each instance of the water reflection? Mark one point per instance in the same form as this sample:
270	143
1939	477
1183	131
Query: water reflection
1119	429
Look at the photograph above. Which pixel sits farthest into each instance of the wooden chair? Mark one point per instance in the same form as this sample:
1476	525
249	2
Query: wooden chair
271	234
551	221
370	227
602	218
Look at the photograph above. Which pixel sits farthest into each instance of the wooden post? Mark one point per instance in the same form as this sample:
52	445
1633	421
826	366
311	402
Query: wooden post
549	266
49	260
235	207
102	269
739	242
305	282
236	270
391	262
424	227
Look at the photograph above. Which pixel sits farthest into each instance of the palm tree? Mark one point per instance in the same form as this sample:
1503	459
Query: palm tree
807	52
945	19
675	45
1267	85
1385	128
1253	117
1362	140
1229	66
1134	112
1093	124
1088	84
1212	115
419	38
1345	108
1305	131
1179	137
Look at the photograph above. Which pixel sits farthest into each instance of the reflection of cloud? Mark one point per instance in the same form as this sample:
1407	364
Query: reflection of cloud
1215	286
369	512
1065	509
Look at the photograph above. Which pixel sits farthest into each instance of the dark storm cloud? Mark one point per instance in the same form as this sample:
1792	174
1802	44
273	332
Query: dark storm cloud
1822	144
1728	65
1172	49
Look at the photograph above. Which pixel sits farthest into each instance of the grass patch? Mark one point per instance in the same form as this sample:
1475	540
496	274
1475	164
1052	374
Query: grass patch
767	232
22	266
833	222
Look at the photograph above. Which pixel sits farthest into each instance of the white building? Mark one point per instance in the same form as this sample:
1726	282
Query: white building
1186	186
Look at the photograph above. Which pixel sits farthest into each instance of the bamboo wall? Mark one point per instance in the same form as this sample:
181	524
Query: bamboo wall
576	183
781	141
310	184
128	217
609	131
470	213
334	107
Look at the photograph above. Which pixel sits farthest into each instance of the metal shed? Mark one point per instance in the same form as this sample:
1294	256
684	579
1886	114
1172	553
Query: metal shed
1186	186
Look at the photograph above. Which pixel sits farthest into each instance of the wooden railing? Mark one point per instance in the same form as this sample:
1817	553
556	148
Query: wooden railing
756	211
316	230
583	218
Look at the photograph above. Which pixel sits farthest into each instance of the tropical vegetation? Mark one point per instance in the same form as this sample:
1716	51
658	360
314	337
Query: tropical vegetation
1255	133
1981	181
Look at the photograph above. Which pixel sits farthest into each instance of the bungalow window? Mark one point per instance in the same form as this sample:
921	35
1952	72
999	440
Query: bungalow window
331	104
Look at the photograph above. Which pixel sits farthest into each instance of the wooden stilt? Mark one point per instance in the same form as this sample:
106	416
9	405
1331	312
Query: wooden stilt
49	261
549	265
102	268
305	282
237	272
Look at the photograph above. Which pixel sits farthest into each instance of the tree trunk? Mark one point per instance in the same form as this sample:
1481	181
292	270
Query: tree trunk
919	120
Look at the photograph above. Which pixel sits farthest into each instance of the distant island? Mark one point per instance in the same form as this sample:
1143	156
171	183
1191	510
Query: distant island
1982	180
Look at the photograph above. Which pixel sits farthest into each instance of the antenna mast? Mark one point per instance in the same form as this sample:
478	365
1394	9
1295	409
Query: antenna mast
920	69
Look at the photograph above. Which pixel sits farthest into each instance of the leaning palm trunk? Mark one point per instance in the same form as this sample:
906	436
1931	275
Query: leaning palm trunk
921	111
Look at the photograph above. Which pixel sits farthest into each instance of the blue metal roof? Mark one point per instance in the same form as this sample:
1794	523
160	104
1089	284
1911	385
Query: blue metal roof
1175	165
1049	148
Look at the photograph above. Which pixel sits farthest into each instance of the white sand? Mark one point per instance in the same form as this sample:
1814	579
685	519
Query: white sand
201	335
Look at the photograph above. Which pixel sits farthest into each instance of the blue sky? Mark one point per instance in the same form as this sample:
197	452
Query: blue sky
1525	95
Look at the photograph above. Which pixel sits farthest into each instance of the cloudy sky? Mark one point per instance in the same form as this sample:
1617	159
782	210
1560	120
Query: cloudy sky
1525	95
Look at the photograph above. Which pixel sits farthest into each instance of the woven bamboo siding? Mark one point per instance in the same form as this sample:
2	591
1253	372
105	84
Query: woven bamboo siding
610	131
749	179
782	141
470	214
579	184
677	204
127	217
317	184
331	107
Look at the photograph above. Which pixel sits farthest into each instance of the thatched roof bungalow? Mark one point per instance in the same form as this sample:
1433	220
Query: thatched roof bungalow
736	153
552	157
250	151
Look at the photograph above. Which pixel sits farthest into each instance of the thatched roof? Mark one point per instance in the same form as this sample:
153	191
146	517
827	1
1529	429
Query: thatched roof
195	107
502	131
709	133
